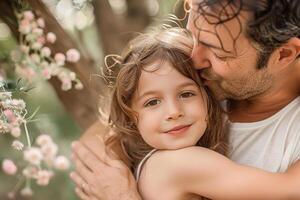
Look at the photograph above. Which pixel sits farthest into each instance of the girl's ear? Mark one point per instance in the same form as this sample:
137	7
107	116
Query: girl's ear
134	119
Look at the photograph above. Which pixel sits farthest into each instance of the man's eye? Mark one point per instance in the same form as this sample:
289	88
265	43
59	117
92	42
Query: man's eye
153	102
223	58
187	94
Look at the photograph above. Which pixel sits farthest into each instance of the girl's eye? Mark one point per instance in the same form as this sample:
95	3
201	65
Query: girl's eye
153	102
187	94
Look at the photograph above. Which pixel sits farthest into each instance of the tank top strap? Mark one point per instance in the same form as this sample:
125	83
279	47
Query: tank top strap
141	164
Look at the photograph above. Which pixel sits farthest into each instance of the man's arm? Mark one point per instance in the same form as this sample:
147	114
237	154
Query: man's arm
100	130
105	177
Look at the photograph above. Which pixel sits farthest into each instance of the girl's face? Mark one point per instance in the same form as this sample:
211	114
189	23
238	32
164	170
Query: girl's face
171	108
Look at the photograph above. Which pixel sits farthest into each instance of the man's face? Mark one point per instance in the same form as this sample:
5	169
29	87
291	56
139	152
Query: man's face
225	57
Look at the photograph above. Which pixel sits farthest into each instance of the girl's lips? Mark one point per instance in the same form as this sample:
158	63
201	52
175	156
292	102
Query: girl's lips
178	129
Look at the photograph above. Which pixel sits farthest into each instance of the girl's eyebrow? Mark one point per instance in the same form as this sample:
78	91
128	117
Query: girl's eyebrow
151	92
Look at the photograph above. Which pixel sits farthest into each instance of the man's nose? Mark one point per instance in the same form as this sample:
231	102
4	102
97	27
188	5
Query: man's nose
174	111
200	56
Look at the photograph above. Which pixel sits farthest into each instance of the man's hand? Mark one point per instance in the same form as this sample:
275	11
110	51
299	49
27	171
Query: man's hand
98	176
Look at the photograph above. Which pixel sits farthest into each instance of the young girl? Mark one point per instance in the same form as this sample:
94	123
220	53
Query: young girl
171	127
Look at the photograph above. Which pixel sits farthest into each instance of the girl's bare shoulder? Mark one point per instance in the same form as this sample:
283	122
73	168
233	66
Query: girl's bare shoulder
168	170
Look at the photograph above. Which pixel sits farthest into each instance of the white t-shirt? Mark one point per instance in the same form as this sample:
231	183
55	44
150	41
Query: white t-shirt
272	144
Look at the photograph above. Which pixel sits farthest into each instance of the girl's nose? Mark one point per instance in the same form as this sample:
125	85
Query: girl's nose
174	111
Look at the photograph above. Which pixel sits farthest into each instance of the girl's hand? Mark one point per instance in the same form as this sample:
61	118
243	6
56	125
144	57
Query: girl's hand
98	176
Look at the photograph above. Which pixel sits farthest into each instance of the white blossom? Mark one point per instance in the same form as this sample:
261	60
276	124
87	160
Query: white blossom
17	145
43	177
73	55
33	155
15	131
49	150
30	171
43	139
61	163
26	192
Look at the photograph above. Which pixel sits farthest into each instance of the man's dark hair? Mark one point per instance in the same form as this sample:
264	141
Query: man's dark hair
274	22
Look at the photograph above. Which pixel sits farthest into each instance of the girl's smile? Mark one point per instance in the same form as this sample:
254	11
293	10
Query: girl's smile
181	129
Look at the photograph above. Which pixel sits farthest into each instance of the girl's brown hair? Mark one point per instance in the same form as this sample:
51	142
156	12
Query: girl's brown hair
173	45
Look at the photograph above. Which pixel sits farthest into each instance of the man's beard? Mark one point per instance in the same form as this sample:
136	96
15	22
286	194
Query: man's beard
212	81
237	89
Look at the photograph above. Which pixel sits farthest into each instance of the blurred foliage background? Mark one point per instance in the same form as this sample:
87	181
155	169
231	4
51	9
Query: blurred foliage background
96	28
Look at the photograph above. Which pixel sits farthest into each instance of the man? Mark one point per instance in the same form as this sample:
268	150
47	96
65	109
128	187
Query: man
247	52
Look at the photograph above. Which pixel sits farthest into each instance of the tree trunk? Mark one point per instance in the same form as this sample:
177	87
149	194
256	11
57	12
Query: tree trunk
115	30
81	104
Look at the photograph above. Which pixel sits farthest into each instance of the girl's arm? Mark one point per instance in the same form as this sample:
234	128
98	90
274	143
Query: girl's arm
196	170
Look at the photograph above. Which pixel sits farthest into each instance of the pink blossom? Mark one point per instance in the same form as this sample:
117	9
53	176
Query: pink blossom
26	192
66	84
9	167
36	45
46	73
24	48
41	40
51	37
54	69
25	72
72	76
28	15
29	72
4	128
33	155
18	104
78	86
35	58
43	140
60	58
73	55
61	163
43	177
24	26
41	22
30	172
11	195
46	52
15	55
30	38
49	150
44	64
15	131
17	145
9	114
33	25
38	31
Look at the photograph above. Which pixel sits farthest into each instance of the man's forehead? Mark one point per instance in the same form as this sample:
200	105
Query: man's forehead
222	36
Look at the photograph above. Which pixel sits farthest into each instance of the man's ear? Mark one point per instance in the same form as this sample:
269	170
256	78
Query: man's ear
288	52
